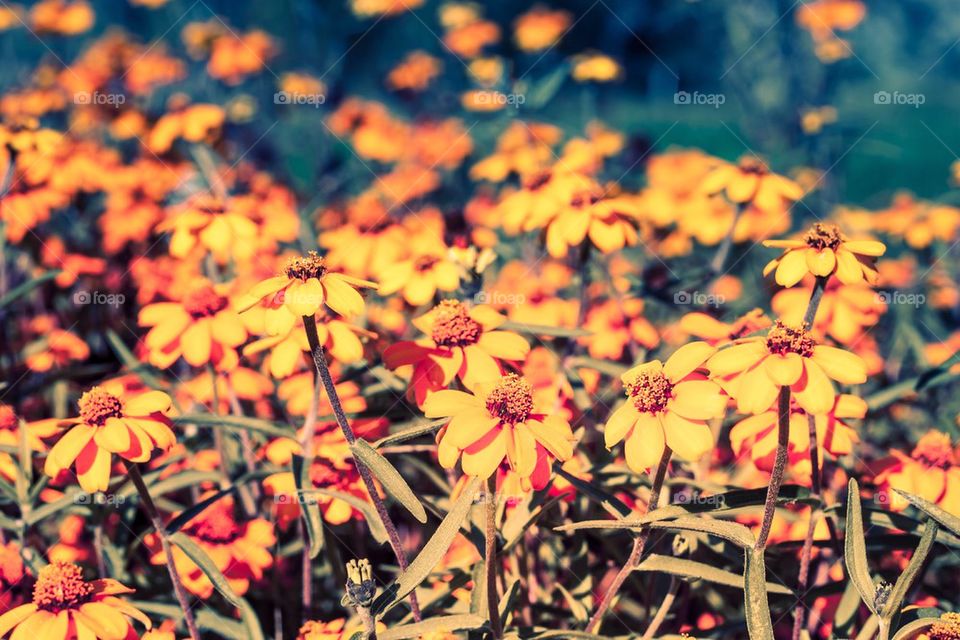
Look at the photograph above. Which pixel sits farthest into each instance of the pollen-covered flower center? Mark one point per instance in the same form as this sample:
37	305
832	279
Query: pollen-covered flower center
8	418
947	628
453	326
823	236
511	400
585	199
650	391
204	301
782	340
97	405
934	450
306	267
60	586
217	526
753	165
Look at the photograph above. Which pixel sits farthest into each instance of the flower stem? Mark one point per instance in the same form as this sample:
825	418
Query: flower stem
815	297
723	251
639	542
490	558
151	509
664	609
320	362
776	477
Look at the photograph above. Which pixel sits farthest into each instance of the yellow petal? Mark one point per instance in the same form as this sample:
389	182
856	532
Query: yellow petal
686	359
817	394
689	439
619	423
792	268
698	400
448	402
821	263
843	366
784	370
341	297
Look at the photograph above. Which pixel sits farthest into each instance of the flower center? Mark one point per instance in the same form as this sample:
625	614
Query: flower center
96	406
453	326
753	165
537	181
585	199
203	301
782	339
934	450
60	586
8	418
425	263
217	525
823	236
947	628
650	391
511	400
306	267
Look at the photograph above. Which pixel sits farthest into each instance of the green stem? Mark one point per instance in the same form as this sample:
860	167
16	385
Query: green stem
776	477
490	557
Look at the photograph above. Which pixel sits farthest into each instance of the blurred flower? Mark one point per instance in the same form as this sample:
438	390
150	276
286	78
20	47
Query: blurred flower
752	181
540	28
824	250
235	56
615	324
668	404
57	348
367	8
194	123
845	311
931	471
415	72
596	67
60	16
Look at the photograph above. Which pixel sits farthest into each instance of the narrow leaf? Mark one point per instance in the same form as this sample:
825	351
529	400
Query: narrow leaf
275	429
915	629
389	477
692	570
207	566
855	548
730	531
309	508
543	330
948	520
900	589
25	288
441	624
420	429
756	607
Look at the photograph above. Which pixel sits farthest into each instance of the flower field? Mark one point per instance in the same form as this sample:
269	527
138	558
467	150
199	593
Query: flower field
435	319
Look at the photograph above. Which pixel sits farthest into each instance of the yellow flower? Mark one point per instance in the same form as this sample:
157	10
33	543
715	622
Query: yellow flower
752	181
301	290
499	422
752	370
597	67
65	606
824	251
668	404
130	428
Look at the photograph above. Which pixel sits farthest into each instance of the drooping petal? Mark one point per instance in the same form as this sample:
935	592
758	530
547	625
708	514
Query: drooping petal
686	359
341	297
698	400
448	402
689	439
643	447
841	365
619	424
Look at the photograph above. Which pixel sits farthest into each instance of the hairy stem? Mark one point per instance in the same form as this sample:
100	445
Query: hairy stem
490	557
664	609
776	477
320	362
639	542
151	510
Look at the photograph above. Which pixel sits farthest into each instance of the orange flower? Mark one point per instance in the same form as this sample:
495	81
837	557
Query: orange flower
824	251
286	350
614	325
213	225
304	286
108	424
931	471
756	435
65	606
57	349
499	422
59	16
415	72
668	404
194	123
540	28
596	67
202	327
752	181
463	343
845	311
11	573
420	277
337	629
240	550
234	57
752	370
715	332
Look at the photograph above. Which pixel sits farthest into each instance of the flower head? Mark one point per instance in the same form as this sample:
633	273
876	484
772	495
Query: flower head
823	251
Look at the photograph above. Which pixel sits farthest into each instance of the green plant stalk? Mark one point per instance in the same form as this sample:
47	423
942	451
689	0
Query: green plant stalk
723	251
490	557
664	609
639	542
776	476
151	510
320	362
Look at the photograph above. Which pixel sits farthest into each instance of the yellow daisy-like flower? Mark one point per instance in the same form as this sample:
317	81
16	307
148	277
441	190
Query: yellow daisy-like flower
301	290
825	251
668	404
752	370
131	428
499	422
751	181
65	606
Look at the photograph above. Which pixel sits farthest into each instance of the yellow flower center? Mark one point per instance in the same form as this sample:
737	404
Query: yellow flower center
203	301
823	236
8	418
511	400
934	450
453	326
306	267
216	526
783	339
97	405
650	391
60	586
948	627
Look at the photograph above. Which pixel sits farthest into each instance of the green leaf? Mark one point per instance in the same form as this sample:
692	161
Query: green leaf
756	607
389	477
948	520
855	548
900	589
207	566
691	569
913	630
441	624
176	482
250	621
369	513
275	429
187	515
308	507
543	330
543	91
27	287
432	552
580	613
612	504
730	531
420	429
